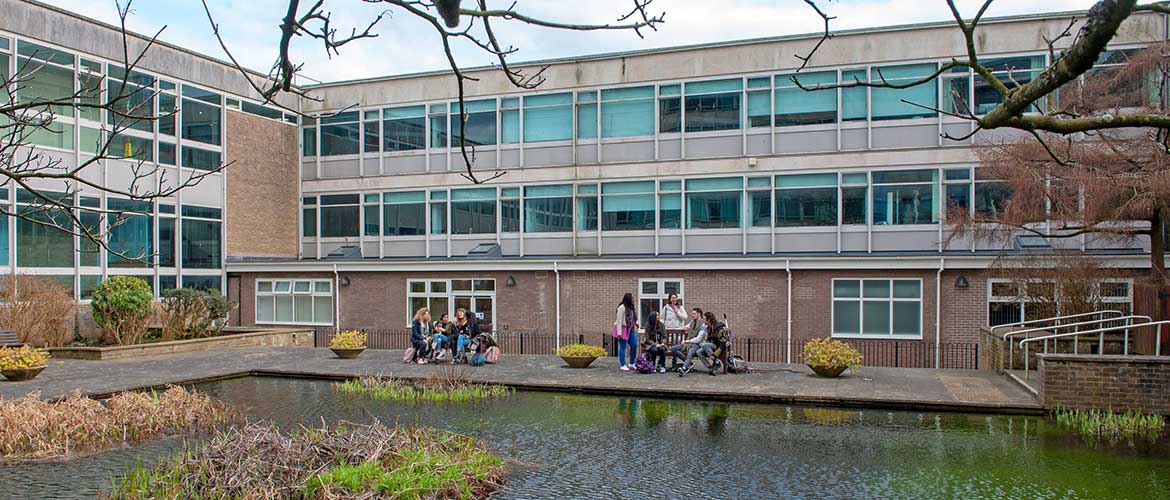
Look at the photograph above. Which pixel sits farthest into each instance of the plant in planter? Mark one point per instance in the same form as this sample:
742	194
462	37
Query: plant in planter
22	363
348	344
829	357
580	355
122	305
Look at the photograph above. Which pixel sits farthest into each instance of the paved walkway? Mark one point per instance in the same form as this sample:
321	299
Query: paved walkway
892	388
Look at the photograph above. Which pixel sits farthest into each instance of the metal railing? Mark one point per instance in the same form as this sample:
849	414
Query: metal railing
1056	319
1054	329
1100	331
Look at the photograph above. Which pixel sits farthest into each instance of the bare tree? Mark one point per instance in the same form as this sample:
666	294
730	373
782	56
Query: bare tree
1059	283
1093	159
445	17
52	186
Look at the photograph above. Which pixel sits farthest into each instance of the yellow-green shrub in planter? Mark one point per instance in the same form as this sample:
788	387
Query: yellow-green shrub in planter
580	355
829	357
22	363
348	344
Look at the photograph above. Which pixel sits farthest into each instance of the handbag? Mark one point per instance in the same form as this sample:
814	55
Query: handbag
617	332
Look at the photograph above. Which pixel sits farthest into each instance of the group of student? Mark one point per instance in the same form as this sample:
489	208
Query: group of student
705	336
431	340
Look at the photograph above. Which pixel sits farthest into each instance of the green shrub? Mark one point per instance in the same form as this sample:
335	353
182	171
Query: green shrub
189	313
122	306
830	352
578	350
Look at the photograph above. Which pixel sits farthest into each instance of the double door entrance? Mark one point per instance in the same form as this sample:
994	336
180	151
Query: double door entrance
448	295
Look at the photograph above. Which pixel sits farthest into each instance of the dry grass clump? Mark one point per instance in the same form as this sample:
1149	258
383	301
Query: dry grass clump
38	308
446	385
347	461
37	429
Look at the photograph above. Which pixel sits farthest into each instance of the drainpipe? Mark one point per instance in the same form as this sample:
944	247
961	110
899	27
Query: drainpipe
337	300
938	311
557	274
788	312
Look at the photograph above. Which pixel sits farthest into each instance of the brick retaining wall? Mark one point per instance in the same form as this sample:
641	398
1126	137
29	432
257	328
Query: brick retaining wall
1140	383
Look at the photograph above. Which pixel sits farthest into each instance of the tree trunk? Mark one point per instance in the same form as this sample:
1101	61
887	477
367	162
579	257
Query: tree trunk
1157	249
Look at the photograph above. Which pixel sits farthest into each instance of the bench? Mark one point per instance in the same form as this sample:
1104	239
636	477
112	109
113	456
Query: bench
8	338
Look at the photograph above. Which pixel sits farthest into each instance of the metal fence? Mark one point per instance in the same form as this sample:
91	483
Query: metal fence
876	352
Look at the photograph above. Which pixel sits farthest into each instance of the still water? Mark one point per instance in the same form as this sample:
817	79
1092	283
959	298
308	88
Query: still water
600	447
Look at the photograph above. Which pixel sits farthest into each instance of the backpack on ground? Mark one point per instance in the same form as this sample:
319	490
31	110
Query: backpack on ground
477	359
408	355
492	356
643	364
736	364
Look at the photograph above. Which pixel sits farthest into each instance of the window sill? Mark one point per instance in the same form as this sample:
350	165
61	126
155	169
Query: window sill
875	337
905	227
290	323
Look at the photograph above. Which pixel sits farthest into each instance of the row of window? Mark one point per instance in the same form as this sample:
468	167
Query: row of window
888	197
1007	303
189	236
699	106
189	119
302	302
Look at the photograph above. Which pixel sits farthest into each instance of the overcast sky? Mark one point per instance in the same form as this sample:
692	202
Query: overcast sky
407	45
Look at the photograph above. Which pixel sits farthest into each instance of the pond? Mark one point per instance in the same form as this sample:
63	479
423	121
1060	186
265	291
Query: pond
579	446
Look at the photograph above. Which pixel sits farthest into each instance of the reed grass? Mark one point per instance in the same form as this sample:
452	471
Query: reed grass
1097	424
343	462
447	385
31	428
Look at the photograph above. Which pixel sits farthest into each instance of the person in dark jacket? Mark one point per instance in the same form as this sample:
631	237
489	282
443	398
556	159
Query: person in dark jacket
420	333
717	336
654	341
444	335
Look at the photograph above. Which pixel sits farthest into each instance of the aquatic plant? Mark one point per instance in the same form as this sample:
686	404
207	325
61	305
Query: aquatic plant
581	350
831	352
349	339
1096	424
345	461
21	358
438	387
38	429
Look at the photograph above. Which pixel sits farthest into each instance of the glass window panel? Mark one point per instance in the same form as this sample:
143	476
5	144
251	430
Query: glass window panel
43	53
853	205
627	118
168	283
438	218
265	306
957	95
461	285
795	106
627	212
339	221
876	318
959	196
1011	71
166	242
587	214
166	154
303	309
875	289
200	159
714	86
196	93
854	100
650	287
309	222
323	310
907	289
713	210
58	135
201	244
473	217
339	199
479	130
806	180
309	141
846	288
846	317
340	139
759	109
670	211
904	204
718	183
282	286
713	112
760	205
956	174
759	182
284	308
404	197
201	123
418	286
510	215
510	126
371	137
586	121
917	101
322	286
675	89
404	134
586	188
439	286
40	241
473	194
90	87
549	190
438	130
512	192
4	241
669	115
403	219
854	179
670	185
89	251
907	318
42	82
991	198
264	286
370	222
554	123
806	207
894	176
131	237
484	285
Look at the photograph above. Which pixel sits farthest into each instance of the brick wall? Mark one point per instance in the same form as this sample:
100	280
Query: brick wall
1139	383
262	191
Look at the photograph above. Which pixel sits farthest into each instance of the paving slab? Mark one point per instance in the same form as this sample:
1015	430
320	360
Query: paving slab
872	387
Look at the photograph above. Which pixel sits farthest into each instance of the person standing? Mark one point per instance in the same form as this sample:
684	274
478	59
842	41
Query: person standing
674	315
420	330
625	331
654	341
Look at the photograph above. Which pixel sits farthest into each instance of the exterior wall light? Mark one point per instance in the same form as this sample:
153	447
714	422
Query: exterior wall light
510	281
343	281
961	282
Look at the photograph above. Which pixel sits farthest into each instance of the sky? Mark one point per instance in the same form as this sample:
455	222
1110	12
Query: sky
406	44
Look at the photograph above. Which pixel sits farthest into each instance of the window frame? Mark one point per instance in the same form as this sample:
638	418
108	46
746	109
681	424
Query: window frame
661	296
292	293
861	300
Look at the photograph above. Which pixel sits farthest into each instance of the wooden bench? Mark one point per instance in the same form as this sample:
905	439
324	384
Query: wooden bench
8	338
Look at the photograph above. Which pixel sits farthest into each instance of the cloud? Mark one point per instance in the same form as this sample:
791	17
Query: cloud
407	45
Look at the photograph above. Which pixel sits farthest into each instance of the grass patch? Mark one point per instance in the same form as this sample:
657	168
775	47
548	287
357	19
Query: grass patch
37	429
1094	425
443	386
346	461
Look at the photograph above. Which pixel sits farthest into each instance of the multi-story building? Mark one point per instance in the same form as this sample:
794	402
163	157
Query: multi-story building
699	170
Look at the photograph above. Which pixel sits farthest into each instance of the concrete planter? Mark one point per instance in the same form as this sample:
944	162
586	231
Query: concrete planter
829	371
252	338
22	373
347	353
578	361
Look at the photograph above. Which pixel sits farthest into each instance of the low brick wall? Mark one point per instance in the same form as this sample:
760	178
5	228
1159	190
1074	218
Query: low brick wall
992	350
1139	383
269	338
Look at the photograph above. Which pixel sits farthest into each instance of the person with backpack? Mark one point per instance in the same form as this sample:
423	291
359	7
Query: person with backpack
718	336
698	344
625	331
654	342
420	331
